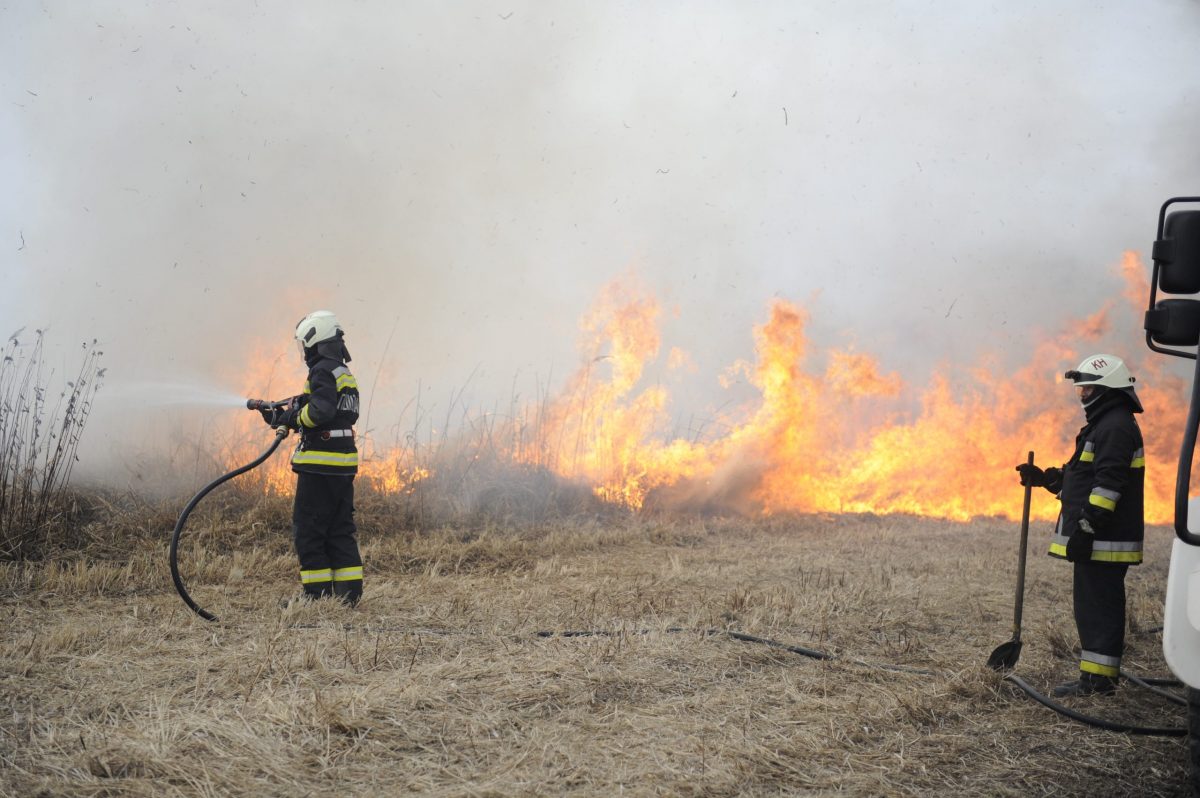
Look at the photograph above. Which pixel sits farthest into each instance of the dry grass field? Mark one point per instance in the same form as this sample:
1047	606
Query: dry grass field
439	684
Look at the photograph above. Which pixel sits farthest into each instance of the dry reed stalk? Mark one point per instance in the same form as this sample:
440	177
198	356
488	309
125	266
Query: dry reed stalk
38	444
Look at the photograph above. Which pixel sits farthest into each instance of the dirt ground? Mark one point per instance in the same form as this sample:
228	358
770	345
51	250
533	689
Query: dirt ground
438	683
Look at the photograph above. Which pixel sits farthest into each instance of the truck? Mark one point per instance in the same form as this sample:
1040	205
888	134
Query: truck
1172	326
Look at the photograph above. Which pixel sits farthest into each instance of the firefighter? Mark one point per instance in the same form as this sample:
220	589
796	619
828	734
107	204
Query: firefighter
1100	525
325	462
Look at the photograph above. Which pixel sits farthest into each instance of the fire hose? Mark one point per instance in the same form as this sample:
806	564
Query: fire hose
280	434
1101	723
1148	683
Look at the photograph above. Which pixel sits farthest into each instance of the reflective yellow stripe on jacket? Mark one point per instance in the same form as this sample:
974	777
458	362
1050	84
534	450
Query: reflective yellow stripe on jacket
1118	551
1104	498
316	457
1139	459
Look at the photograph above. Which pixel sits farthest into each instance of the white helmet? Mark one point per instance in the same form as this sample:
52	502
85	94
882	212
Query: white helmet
316	327
1104	371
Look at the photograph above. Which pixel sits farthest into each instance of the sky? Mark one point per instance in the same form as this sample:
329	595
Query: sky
458	181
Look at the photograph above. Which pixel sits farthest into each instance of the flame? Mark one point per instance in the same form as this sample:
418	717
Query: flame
268	374
829	431
276	375
858	375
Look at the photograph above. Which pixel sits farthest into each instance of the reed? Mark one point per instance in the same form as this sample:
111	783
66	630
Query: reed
39	438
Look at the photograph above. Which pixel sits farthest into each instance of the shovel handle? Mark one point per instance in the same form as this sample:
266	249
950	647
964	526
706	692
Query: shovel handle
1020	601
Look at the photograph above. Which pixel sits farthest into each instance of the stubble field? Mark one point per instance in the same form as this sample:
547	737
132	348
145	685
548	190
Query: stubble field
439	683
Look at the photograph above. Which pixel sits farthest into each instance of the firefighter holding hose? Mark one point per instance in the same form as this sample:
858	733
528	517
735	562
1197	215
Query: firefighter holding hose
325	462
1100	526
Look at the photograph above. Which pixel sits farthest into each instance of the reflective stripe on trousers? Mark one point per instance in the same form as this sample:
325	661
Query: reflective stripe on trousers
1099	664
316	575
347	574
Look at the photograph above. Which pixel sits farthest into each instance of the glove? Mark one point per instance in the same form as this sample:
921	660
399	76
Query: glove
289	418
1031	475
1053	480
282	416
1079	545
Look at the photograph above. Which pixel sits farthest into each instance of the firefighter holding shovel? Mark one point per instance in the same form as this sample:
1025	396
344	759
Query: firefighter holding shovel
1100	526
325	462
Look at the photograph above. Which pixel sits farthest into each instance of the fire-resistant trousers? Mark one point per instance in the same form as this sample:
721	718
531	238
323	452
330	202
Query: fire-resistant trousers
323	529
1100	616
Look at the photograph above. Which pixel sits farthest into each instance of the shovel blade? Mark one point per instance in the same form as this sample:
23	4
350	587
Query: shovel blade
1005	656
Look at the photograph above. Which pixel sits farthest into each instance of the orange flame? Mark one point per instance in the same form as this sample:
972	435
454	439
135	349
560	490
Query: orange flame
818	443
847	437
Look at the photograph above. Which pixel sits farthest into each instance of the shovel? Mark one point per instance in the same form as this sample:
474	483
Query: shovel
1006	654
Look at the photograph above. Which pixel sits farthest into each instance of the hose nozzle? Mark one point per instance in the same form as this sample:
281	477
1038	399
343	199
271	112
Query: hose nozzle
265	404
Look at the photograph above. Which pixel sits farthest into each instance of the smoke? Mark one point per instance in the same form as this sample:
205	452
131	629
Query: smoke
458	181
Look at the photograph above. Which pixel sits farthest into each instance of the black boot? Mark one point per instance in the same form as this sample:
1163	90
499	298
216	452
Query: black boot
311	592
318	590
1086	684
349	591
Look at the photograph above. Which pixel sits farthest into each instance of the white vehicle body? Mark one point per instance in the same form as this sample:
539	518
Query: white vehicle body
1181	619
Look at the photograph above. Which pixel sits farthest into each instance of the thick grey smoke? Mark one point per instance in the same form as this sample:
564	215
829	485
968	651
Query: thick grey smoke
184	182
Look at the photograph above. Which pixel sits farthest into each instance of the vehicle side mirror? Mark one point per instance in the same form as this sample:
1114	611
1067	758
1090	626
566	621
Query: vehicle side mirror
1175	322
1178	253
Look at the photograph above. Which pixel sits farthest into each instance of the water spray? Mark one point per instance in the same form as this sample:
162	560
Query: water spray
280	433
175	394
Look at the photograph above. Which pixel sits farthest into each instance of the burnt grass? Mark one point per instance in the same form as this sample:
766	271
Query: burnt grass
439	683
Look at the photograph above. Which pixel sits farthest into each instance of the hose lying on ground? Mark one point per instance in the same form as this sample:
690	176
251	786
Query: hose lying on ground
280	434
1099	723
811	653
1147	683
1151	685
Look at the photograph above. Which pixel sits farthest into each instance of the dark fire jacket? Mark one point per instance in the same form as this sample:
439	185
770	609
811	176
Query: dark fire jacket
328	410
1104	482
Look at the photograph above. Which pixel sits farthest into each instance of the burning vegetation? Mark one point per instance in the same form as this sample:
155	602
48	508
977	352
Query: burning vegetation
828	431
